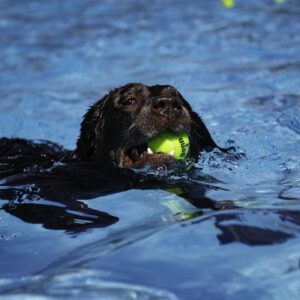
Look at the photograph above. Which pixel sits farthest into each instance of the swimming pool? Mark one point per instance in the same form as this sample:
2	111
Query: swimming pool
239	68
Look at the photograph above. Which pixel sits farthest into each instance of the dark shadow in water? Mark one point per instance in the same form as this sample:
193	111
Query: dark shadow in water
250	235
234	227
42	184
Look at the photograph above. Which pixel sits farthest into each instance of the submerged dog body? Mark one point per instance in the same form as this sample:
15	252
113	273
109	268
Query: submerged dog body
116	129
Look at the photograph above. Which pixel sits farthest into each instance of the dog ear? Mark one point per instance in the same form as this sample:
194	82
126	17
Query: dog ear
201	138
90	130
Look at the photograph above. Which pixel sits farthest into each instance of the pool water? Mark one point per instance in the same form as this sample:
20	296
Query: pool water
240	70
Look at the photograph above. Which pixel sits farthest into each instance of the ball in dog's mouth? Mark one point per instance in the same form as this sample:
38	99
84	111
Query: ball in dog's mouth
169	142
165	149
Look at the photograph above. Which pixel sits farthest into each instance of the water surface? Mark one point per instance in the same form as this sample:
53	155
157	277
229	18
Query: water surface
239	68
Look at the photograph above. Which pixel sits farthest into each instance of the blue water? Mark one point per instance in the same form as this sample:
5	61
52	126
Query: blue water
240	70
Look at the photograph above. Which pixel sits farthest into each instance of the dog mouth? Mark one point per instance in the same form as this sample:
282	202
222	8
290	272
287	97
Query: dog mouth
141	155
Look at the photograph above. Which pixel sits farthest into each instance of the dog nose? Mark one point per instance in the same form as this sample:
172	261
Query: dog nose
167	107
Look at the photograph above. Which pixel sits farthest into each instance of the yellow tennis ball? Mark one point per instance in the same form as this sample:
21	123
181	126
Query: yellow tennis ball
228	3
170	143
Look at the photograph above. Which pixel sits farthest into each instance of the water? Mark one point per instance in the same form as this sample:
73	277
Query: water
239	68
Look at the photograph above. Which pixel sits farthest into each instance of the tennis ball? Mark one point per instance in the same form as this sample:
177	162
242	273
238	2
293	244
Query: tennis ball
170	143
228	3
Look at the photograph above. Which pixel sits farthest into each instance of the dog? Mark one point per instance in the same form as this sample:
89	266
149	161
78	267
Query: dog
116	129
112	143
42	183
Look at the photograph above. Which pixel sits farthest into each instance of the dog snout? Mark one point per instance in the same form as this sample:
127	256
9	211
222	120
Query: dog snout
167	107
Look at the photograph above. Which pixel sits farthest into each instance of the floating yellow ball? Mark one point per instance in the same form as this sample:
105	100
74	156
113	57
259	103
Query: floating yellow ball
228	3
170	143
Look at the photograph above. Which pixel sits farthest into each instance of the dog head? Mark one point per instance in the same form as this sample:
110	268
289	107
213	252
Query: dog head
116	129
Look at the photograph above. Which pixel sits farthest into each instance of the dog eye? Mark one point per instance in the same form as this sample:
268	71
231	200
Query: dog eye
129	102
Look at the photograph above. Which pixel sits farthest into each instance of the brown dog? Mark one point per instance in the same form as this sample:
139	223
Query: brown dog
114	133
116	129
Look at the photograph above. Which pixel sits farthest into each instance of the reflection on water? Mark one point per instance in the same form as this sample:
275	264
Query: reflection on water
228	229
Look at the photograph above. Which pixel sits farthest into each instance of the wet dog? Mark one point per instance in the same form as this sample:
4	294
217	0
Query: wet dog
43	183
116	129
